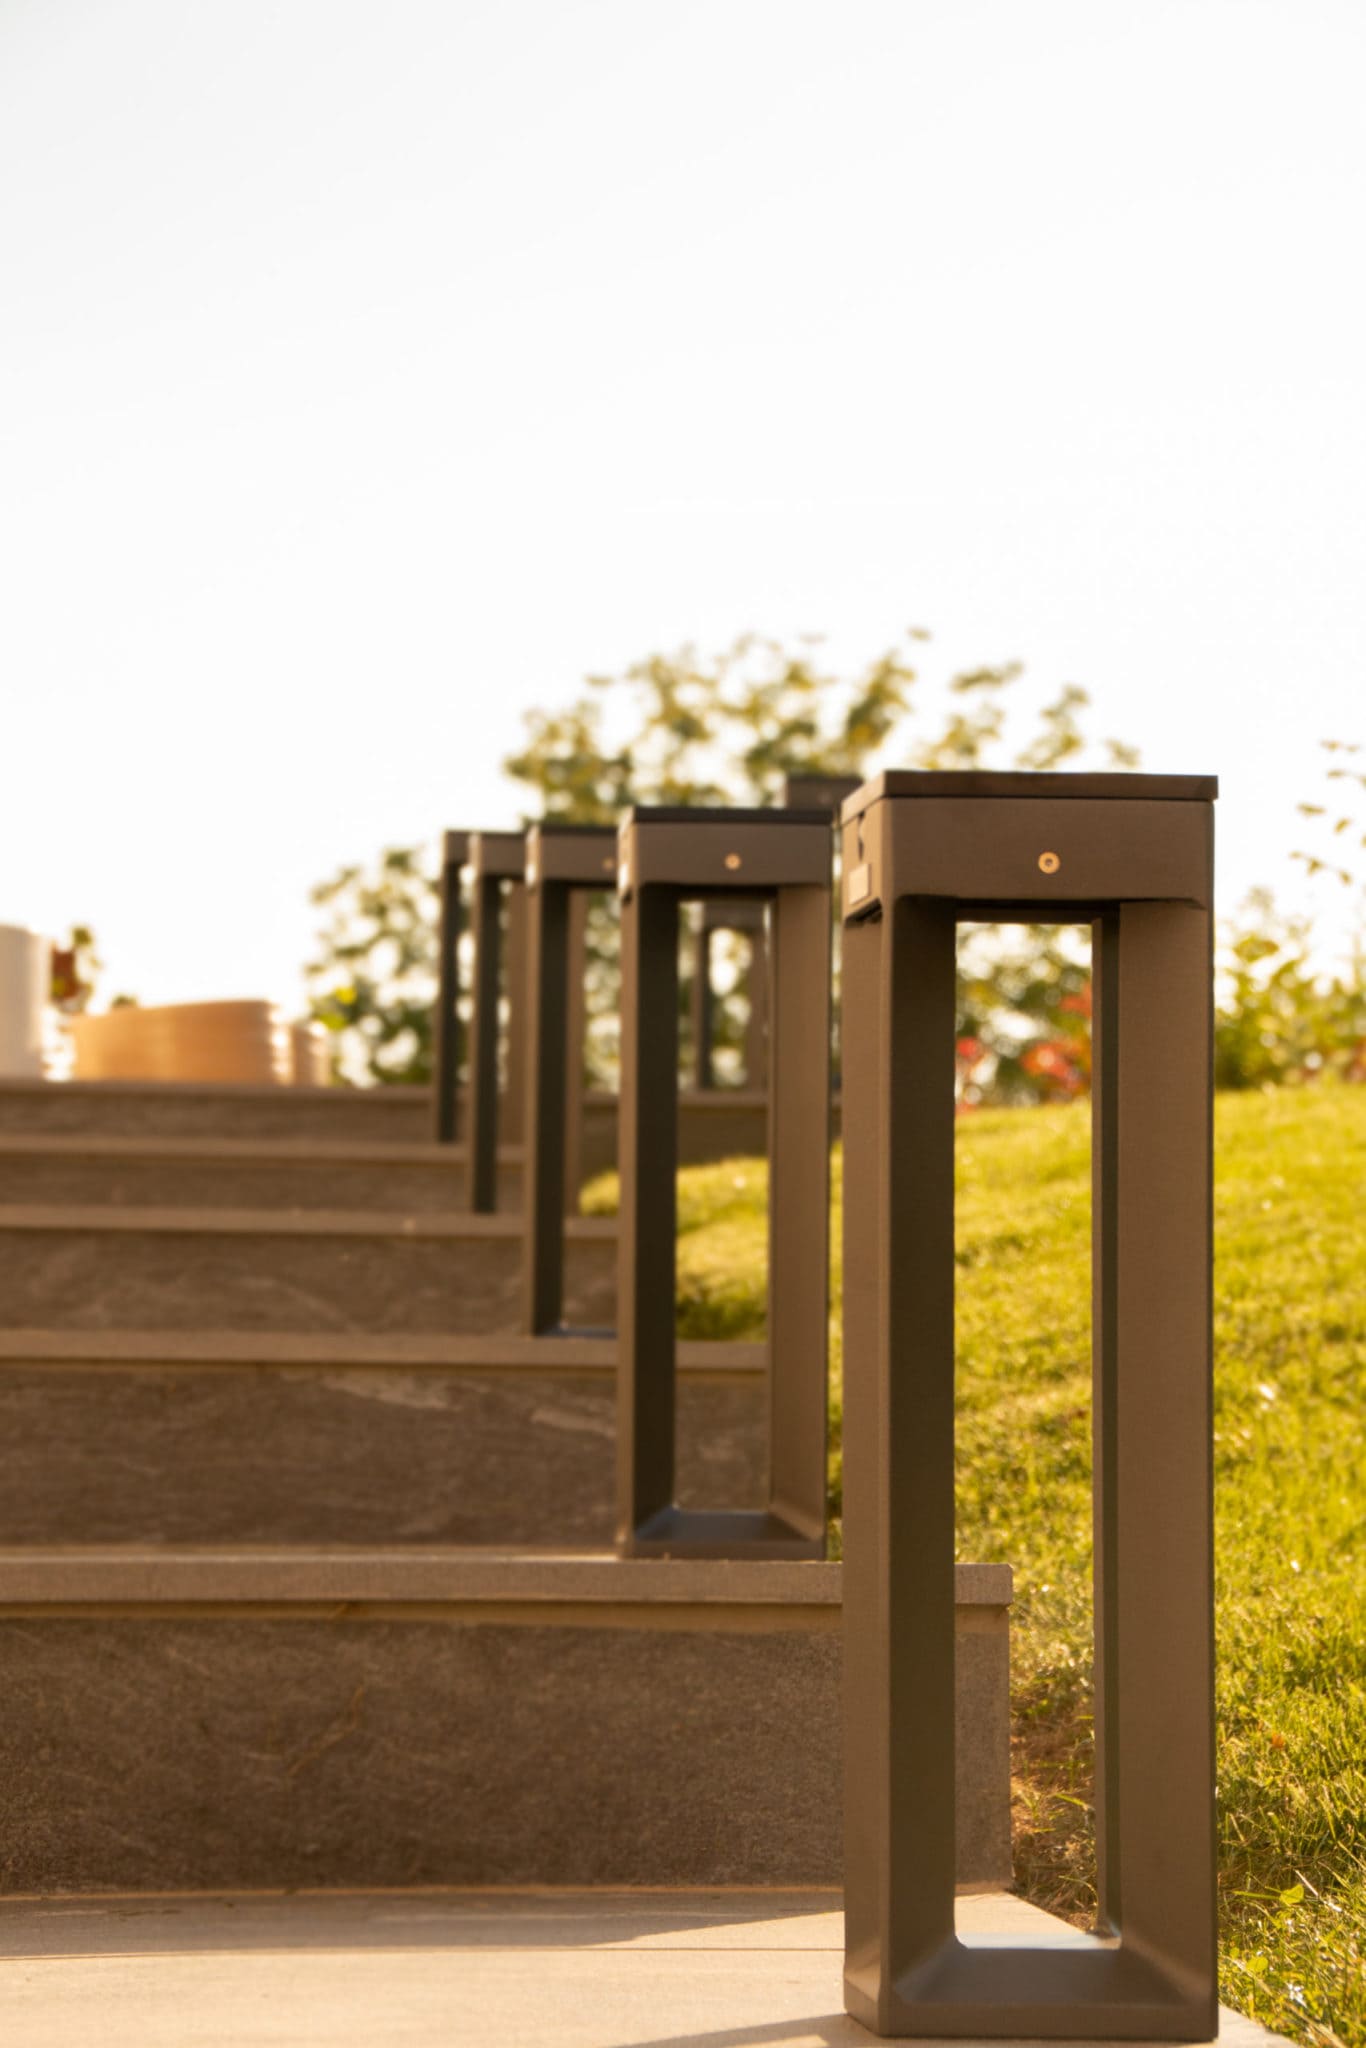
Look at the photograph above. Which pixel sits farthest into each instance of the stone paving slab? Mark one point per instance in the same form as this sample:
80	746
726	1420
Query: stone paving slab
455	1970
310	1271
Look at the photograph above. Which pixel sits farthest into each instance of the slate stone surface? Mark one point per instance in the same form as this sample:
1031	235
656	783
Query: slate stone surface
91	1279
149	1109
223	1752
266	1454
262	1184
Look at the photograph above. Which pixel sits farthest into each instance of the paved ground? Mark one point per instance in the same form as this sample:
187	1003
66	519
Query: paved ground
451	1970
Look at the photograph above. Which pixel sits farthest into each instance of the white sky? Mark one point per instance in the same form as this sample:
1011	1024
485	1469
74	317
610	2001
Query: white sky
369	373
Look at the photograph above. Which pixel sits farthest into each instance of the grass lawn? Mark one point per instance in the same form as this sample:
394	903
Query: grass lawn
1290	1466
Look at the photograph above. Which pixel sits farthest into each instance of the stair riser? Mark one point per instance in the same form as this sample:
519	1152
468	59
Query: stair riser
377	1116
253	1454
231	1752
130	1279
709	1127
721	1124
216	1184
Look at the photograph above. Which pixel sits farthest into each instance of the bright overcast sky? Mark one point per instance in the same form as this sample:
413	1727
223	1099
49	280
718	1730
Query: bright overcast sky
369	373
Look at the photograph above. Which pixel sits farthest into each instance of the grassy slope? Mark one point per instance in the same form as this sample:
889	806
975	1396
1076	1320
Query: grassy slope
1291	1494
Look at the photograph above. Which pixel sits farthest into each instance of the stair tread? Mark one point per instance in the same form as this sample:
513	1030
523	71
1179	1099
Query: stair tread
405	1350
147	1573
228	1091
294	1222
236	1151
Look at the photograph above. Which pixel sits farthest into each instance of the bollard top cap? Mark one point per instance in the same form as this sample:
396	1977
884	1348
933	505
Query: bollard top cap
720	814
557	851
721	849
566	828
499	854
1019	782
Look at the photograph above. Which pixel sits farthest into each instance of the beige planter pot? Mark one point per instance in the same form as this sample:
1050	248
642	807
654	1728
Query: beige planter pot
312	1055
238	1041
25	982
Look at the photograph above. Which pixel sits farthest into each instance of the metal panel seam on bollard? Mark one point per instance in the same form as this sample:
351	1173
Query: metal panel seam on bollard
563	862
1133	856
669	856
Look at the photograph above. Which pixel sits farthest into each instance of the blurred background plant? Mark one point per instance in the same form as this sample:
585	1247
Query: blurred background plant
373	981
1281	1018
76	967
727	728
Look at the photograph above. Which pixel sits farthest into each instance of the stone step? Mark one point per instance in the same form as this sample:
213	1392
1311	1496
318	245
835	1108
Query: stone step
718	1123
468	1969
197	1720
200	1109
155	1436
257	1269
241	1173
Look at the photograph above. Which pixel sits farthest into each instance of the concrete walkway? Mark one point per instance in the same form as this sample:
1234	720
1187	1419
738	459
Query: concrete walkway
452	1970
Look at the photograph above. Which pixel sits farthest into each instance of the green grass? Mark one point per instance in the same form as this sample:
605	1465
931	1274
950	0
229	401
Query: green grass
1290	1468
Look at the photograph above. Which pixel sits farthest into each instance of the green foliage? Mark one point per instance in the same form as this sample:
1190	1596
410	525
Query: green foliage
1290	1483
725	728
76	968
708	729
373	982
1024	1004
1338	820
1280	1018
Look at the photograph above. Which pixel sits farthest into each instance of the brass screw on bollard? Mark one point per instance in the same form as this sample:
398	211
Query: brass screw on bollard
732	861
1050	863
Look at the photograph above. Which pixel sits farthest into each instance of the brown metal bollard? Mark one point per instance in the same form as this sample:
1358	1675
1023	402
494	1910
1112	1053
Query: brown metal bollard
801	793
1133	856
783	858
563	862
455	853
497	860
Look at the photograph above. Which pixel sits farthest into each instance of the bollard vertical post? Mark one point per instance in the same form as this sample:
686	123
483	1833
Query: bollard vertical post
782	859
1133	857
826	793
563	863
455	852
496	859
702	1004
576	1044
512	1125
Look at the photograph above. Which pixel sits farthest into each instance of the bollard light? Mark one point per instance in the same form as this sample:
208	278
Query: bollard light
781	859
1132	856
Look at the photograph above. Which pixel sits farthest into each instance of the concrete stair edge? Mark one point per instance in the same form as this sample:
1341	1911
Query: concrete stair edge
70	1218
259	1150
231	1574
404	1350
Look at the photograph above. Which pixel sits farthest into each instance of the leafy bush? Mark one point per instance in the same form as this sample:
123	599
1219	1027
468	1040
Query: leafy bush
1279	1018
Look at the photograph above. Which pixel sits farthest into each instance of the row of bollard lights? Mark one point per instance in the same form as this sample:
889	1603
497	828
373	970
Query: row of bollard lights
915	855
